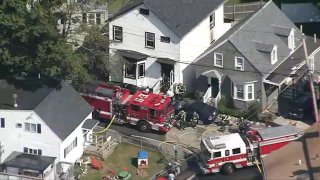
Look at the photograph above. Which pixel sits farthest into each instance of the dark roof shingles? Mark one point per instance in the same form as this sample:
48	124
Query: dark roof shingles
63	110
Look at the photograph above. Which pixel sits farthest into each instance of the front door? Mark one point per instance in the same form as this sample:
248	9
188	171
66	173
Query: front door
214	87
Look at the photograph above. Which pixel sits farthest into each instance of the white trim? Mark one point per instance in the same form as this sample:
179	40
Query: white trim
148	40
215	59
291	43
114	34
245	91
236	66
274	55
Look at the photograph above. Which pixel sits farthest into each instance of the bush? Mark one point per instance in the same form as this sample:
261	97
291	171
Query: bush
253	111
225	107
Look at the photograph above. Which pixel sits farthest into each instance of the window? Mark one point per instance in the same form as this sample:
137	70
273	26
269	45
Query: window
227	153
274	55
239	63
291	44
144	11
2	122
91	18
239	91
212	22
31	127
131	70
141	70
135	108
236	151
32	151
18	125
242	92
218	59
70	147
165	39
311	63
150	41
84	18
98	18
117	33
153	113
250	92
217	154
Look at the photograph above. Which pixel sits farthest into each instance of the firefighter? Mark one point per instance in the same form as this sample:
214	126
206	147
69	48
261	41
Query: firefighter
195	119
182	119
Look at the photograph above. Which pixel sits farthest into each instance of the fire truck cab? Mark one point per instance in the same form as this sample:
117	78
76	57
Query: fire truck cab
144	109
228	152
224	153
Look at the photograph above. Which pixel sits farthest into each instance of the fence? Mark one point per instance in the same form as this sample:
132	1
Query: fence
237	12
172	152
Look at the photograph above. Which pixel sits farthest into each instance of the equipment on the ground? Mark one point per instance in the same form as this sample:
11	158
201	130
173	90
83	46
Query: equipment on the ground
228	152
144	109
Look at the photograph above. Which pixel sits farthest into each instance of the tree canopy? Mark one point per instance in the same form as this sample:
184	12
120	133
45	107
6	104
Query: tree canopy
31	43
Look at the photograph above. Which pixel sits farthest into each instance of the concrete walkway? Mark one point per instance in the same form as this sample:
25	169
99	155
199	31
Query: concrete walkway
299	125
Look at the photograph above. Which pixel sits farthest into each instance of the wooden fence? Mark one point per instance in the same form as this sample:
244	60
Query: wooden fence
236	12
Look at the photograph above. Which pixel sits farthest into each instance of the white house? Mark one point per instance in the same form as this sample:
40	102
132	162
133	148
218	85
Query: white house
41	120
161	38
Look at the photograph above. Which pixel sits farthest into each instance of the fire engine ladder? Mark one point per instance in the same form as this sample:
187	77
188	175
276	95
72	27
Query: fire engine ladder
126	100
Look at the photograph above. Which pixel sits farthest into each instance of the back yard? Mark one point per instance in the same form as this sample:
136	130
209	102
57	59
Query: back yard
124	157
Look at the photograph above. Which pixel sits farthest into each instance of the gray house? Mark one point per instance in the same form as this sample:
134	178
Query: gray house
253	61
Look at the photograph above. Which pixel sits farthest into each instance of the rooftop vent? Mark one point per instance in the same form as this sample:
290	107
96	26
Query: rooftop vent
144	11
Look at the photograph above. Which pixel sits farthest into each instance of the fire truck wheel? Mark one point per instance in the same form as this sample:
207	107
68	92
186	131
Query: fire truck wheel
228	169
144	126
96	114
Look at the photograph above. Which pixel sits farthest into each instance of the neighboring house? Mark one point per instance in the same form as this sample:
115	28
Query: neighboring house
306	16
79	12
158	39
43	119
253	60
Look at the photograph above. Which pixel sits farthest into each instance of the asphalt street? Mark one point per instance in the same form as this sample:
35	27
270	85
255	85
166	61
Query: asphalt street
250	173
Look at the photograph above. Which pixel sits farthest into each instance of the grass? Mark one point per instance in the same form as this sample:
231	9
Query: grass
125	157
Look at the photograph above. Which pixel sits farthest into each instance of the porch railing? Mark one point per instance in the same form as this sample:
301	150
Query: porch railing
156	87
206	96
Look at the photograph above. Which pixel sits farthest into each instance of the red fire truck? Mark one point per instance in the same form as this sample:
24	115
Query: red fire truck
146	110
228	152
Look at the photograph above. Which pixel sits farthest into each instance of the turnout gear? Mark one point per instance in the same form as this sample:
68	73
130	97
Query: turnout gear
182	119
195	119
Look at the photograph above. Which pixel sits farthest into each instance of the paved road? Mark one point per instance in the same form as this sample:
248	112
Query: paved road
250	173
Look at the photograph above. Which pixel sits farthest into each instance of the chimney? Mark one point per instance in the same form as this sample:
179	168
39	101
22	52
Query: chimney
315	38
15	96
301	28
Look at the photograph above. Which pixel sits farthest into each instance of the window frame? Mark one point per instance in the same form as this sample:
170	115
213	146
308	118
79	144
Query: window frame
213	154
165	39
144	70
133	66
212	20
148	40
236	149
227	152
33	151
274	55
215	60
234	91
2	122
36	127
70	147
236	65
114	29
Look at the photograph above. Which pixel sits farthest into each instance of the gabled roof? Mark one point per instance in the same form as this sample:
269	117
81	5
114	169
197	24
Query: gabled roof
181	16
259	27
63	110
56	103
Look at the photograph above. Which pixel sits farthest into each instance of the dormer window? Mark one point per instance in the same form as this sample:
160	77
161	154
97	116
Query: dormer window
291	44
274	55
144	11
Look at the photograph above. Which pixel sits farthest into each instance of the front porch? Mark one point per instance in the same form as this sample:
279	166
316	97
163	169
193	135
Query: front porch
209	87
157	74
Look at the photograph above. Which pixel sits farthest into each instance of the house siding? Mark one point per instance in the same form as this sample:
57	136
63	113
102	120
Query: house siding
76	152
15	139
220	26
230	74
134	27
191	46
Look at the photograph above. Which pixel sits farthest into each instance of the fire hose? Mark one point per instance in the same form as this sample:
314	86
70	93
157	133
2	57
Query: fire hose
104	130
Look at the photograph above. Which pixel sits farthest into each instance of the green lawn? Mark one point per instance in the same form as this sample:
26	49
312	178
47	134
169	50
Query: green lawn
125	157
